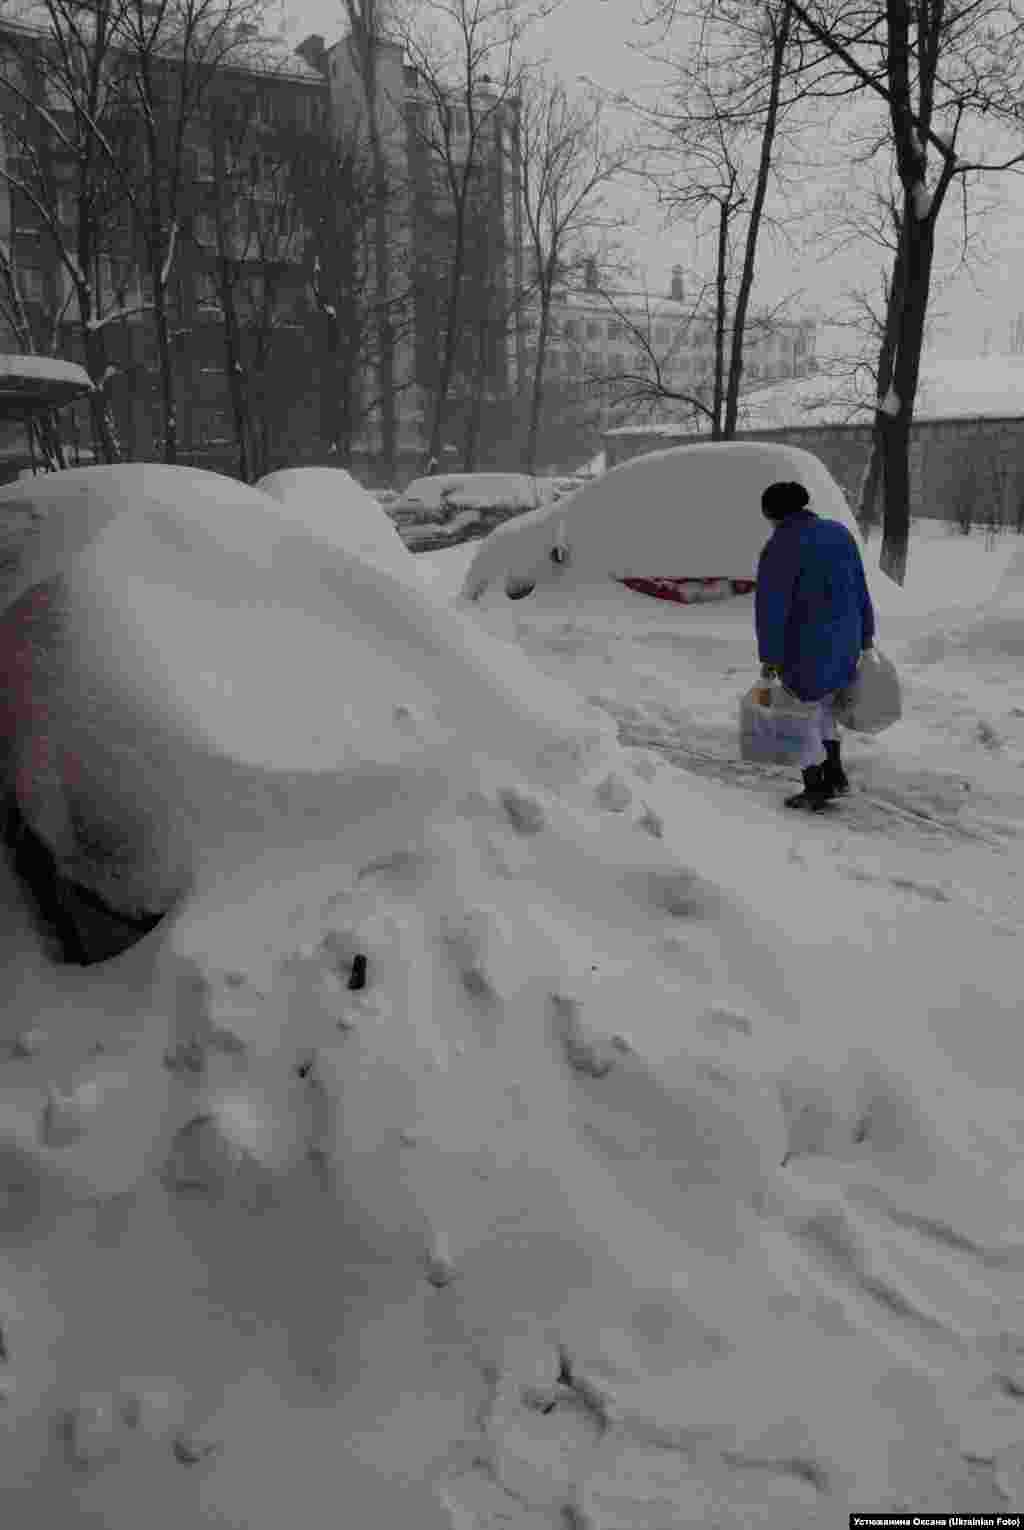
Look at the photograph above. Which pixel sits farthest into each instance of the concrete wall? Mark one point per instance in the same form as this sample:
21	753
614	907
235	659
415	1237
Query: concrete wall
975	460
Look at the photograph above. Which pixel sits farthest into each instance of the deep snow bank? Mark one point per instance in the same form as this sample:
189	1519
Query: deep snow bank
426	1160
181	644
330	504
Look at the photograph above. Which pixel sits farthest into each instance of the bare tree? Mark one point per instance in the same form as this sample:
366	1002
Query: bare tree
66	125
716	152
468	77
647	380
258	220
366	20
567	161
933	64
173	49
340	187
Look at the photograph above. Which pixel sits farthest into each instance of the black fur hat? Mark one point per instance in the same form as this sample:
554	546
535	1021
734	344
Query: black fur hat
781	499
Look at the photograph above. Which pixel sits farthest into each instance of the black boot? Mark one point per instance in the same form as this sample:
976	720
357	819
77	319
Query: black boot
816	795
834	775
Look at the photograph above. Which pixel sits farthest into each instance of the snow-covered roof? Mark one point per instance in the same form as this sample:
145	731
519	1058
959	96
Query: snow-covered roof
28	383
638	305
991	385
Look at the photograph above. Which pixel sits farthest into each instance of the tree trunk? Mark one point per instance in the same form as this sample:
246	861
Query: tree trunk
385	327
474	412
871	483
234	370
739	323
895	451
104	430
537	391
166	362
919	244
366	37
720	306
444	381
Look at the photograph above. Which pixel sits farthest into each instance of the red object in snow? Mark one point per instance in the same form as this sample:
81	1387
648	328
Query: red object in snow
687	592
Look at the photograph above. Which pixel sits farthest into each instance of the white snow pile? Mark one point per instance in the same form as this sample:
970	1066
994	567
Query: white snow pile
47	369
477	490
329	502
199	655
455	1151
690	512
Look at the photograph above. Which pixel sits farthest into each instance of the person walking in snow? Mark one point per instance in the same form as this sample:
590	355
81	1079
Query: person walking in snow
814	618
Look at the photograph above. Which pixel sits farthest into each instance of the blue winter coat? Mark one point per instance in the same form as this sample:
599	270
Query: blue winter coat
813	610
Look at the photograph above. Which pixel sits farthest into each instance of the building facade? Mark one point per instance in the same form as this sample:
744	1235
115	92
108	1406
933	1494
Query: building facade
424	154
237	291
596	335
271	295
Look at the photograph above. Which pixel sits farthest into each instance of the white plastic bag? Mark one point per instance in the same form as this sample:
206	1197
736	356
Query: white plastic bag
782	733
873	701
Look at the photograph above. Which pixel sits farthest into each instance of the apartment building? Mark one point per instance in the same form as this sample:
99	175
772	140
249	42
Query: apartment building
243	217
421	222
597	334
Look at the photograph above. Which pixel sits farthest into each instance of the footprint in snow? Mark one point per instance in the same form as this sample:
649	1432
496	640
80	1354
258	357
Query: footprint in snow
524	813
613	794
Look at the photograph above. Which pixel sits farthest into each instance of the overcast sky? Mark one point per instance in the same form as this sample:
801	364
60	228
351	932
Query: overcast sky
592	37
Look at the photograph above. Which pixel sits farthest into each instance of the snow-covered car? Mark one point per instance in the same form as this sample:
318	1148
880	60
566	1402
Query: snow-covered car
439	491
210	634
684	524
446	508
330	502
554	488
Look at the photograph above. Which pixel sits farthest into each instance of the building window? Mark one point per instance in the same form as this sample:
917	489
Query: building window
662	335
204	164
614	330
572	329
593	330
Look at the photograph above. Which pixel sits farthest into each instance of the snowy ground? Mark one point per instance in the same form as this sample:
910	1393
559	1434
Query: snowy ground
665	1168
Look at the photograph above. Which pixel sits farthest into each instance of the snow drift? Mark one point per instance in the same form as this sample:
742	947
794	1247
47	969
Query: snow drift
331	504
177	639
427	1159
